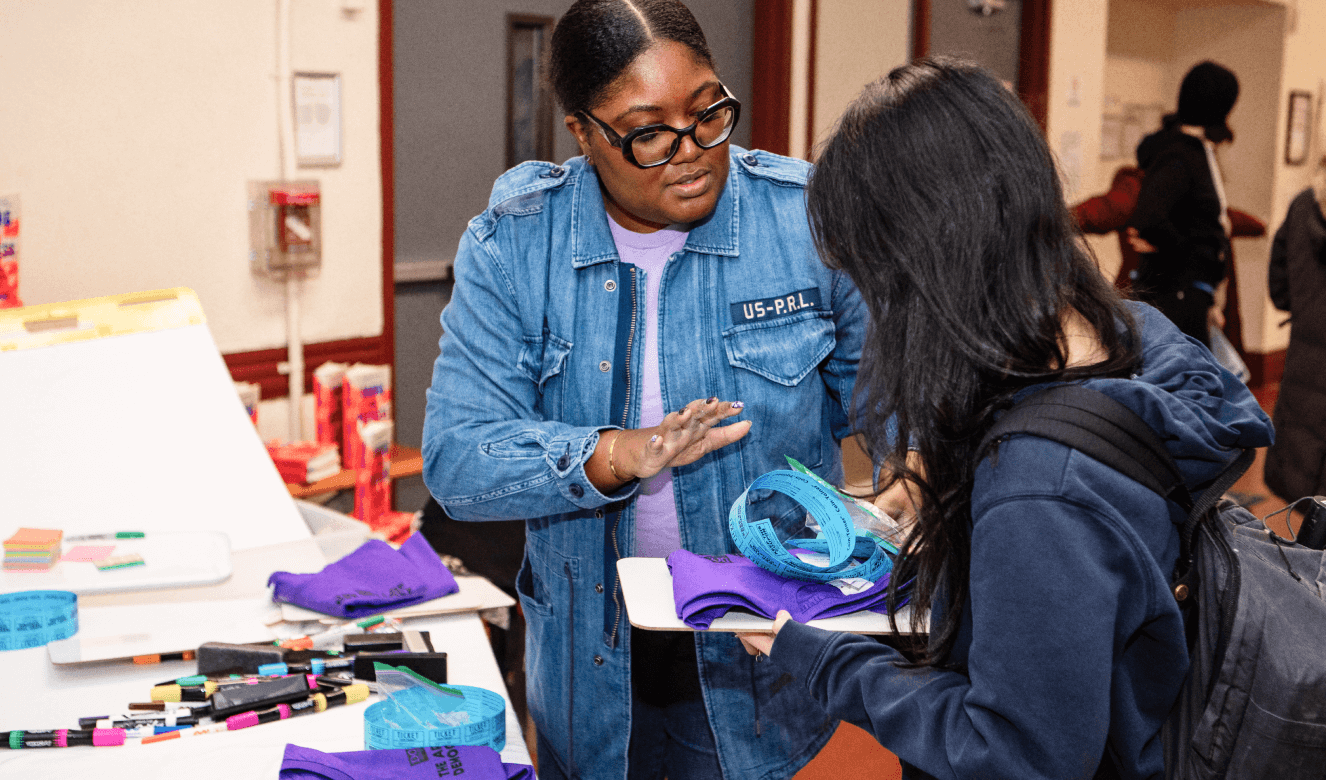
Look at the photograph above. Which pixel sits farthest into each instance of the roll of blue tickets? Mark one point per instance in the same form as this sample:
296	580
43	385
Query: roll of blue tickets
384	729
33	618
839	538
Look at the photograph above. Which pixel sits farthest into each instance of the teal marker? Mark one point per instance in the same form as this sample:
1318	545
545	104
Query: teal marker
116	535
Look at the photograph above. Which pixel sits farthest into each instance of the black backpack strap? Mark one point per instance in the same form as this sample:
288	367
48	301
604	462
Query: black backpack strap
1104	429
1099	427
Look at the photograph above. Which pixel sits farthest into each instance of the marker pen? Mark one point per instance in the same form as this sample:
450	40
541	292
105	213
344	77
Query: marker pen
198	731
156	658
193	679
351	694
184	693
64	738
318	702
164	719
328	638
116	535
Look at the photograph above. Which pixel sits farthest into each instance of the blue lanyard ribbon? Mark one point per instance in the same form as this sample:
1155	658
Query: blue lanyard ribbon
838	536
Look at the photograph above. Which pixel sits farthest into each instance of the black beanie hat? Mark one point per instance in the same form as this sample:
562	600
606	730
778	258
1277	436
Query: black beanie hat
1206	97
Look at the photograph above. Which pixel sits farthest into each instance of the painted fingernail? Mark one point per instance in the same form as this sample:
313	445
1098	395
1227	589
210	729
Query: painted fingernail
711	399
739	405
653	438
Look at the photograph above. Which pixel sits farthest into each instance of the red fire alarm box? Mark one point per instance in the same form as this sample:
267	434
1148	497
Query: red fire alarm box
285	227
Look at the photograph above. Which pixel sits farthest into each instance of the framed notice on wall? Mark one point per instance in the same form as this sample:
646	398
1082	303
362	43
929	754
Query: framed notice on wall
317	119
1299	133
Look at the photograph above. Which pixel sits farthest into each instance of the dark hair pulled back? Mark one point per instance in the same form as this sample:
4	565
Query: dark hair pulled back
939	197
596	40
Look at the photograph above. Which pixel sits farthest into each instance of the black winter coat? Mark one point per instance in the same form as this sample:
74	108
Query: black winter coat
1178	212
1296	463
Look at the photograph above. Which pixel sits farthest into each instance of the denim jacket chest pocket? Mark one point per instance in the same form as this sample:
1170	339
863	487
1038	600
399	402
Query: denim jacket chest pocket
542	358
775	366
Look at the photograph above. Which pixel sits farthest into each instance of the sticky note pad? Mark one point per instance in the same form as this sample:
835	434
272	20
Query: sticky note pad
119	562
88	552
34	539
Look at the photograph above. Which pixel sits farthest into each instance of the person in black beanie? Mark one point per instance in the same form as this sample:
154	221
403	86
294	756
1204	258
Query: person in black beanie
1181	216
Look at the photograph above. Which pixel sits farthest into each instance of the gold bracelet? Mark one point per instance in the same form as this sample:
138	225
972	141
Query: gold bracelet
611	467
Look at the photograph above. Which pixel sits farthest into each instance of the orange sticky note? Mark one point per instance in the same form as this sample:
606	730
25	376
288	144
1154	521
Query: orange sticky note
34	539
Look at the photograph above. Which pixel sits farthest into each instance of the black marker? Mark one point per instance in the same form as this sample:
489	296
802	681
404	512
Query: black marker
59	738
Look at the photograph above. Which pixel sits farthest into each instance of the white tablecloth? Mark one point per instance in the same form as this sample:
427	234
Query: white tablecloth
42	696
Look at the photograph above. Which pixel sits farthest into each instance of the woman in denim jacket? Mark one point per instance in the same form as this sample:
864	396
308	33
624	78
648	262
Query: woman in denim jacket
633	337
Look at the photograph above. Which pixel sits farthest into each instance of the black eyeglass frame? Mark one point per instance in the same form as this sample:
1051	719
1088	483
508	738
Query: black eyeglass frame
623	142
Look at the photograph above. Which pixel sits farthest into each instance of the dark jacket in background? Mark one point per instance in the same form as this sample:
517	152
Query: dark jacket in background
1110	211
1178	212
1296	463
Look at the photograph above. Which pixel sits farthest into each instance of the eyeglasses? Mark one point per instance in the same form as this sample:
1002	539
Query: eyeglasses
653	145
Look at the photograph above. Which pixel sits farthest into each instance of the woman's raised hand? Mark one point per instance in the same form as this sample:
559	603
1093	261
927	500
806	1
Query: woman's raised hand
683	437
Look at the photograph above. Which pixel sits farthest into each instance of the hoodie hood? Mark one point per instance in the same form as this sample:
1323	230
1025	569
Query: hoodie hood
1202	412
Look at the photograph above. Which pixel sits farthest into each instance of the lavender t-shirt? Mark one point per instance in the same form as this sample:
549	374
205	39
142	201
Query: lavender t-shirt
656	531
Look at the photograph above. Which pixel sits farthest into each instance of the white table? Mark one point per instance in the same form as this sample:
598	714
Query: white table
43	696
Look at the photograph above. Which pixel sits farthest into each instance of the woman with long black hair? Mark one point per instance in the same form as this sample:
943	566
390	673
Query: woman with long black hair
1055	647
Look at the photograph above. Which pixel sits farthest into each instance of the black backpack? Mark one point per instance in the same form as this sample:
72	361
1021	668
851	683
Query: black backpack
1254	702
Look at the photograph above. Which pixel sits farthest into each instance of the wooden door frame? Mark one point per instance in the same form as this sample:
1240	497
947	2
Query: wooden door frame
1034	52
771	82
262	366
771	88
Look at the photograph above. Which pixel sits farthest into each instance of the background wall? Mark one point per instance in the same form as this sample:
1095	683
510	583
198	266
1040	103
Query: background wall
859	41
450	82
129	131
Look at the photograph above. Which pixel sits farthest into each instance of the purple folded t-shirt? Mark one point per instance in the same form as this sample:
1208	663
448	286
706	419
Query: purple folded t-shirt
706	587
374	578
473	763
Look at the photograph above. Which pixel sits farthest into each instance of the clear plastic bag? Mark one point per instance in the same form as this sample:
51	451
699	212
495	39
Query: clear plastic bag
419	702
866	517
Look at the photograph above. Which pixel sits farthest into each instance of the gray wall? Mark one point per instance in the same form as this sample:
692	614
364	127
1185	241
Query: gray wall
450	100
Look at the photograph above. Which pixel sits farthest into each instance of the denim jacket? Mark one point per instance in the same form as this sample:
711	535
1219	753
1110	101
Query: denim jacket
541	353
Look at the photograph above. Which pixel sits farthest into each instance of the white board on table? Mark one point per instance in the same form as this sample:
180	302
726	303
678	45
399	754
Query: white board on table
128	420
170	560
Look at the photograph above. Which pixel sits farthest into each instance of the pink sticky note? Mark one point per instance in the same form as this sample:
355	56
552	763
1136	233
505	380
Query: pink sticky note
88	553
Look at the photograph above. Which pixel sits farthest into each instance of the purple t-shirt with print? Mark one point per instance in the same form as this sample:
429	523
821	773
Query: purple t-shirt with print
470	762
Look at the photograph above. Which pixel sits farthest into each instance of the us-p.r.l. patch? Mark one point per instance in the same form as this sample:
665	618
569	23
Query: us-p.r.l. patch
778	306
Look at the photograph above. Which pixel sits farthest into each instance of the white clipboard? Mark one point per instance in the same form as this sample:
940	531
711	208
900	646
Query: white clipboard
647	588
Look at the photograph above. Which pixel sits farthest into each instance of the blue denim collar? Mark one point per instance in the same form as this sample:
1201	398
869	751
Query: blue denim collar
591	238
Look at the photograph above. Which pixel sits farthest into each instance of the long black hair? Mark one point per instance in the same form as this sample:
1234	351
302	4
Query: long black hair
596	40
938	196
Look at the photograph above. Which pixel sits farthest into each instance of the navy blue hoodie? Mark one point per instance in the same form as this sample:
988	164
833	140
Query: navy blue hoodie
1071	644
